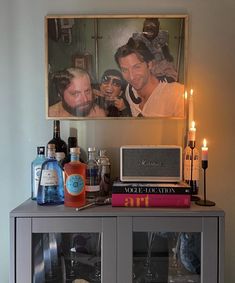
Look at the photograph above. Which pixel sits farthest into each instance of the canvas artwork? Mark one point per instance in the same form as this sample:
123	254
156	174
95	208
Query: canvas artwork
114	67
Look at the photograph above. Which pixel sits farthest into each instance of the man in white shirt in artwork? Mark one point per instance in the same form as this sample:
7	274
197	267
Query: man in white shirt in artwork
146	95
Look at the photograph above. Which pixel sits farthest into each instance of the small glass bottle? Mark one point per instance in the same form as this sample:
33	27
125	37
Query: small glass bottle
75	180
51	183
191	167
92	176
36	167
104	173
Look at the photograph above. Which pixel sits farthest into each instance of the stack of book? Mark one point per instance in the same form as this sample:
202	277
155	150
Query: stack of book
151	194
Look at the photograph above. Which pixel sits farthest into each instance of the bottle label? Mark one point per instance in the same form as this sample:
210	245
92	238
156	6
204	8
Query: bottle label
49	178
75	184
191	170
92	176
37	172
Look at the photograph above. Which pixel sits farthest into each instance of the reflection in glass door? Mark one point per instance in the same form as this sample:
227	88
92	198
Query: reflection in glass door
65	257
166	257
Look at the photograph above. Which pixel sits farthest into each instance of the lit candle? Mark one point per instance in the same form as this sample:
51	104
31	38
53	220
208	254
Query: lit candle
204	151
190	107
192	132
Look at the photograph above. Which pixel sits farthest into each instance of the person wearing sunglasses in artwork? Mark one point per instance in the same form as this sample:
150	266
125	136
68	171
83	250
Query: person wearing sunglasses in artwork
111	94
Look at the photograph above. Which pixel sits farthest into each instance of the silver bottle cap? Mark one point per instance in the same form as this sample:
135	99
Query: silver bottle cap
91	149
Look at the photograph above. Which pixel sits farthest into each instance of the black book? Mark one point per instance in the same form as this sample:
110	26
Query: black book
150	188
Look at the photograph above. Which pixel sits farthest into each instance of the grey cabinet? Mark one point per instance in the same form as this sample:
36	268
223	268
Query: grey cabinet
116	245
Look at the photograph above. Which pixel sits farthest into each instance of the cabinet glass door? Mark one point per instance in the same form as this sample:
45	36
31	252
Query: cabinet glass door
168	249
169	257
65	257
65	250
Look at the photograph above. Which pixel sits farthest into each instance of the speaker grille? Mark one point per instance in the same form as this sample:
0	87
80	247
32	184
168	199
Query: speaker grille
151	162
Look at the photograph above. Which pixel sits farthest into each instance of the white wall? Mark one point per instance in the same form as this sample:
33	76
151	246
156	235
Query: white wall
22	119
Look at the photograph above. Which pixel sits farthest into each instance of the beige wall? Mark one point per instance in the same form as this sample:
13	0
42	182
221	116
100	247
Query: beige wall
22	117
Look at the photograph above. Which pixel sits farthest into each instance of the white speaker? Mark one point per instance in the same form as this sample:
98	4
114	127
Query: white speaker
144	163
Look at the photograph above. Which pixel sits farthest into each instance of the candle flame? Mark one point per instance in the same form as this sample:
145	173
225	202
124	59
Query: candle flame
204	142
193	124
185	95
191	92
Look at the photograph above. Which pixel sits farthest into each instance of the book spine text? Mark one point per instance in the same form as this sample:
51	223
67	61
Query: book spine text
150	200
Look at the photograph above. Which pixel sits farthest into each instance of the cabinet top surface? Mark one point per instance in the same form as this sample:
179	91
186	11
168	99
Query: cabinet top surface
30	208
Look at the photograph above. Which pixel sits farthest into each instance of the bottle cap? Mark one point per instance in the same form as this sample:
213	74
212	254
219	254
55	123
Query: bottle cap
59	156
51	146
91	149
56	122
72	142
75	150
102	152
56	125
41	150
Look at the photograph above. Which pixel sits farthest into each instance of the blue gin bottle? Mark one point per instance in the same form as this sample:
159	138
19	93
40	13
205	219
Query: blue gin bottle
51	183
36	167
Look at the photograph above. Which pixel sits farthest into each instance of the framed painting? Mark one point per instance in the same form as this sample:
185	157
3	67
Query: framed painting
115	66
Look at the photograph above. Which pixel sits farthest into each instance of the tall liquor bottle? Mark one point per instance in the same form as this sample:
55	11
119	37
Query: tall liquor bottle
75	180
191	168
191	162
51	183
36	167
72	142
92	175
60	145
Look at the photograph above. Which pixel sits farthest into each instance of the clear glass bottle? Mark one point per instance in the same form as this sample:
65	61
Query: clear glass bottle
92	175
191	167
51	183
36	167
60	145
75	180
104	173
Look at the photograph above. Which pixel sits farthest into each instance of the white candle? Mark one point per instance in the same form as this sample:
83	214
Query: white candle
186	104
190	107
204	151
192	132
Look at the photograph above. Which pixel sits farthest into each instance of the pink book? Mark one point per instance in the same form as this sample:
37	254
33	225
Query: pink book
151	200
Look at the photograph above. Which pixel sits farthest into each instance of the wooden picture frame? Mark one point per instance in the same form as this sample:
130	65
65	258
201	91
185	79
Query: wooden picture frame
90	42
